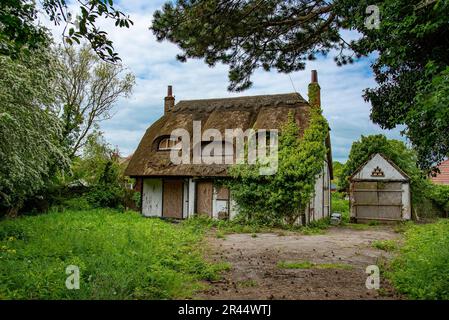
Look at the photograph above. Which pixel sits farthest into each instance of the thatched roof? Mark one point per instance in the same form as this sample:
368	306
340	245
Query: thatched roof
257	112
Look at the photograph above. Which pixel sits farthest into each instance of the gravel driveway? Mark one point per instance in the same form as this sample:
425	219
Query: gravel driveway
255	273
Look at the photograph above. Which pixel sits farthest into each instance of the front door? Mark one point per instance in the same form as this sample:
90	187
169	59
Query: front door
172	203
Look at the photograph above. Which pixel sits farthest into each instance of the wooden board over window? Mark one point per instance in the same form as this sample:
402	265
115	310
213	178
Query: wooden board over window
172	204
204	197
222	193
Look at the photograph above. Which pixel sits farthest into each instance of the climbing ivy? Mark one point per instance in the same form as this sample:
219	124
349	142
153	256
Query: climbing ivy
283	196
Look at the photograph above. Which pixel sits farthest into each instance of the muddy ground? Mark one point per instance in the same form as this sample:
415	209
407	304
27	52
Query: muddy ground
255	273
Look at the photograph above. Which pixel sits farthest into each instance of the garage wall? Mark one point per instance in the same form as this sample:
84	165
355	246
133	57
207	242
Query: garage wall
390	172
406	202
380	191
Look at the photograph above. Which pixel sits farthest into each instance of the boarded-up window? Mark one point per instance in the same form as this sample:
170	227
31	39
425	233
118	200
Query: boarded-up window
222	193
204	198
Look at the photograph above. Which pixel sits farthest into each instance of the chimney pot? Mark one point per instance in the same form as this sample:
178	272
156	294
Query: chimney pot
169	100
314	76
314	91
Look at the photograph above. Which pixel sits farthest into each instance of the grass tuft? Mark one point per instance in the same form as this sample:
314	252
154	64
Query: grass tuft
385	245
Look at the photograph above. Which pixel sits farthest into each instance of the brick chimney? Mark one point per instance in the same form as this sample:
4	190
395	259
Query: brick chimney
169	100
314	91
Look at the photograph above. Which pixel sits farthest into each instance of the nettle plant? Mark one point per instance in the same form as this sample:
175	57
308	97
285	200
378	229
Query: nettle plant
283	196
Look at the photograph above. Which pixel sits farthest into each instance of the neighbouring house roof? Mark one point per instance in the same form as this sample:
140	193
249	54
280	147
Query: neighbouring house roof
443	176
257	112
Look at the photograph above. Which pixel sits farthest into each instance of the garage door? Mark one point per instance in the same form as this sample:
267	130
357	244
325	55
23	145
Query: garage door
378	200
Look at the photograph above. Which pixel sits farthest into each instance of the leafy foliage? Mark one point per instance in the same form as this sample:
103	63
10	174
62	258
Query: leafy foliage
420	271
428	117
20	29
120	256
410	70
100	169
249	34
284	195
340	205
337	168
440	195
30	134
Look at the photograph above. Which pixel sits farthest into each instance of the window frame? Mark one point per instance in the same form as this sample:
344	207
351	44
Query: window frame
170	143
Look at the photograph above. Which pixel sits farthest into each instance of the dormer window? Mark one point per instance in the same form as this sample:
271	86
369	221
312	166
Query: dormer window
169	143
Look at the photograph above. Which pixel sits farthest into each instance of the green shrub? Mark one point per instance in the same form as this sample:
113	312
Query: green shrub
421	269
120	256
136	197
106	196
439	194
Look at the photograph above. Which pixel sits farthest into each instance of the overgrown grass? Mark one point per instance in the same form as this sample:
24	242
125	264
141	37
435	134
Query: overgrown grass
311	265
120	256
340	205
421	269
223	227
385	245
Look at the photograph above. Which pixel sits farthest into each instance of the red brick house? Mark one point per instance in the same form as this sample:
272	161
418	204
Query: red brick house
443	176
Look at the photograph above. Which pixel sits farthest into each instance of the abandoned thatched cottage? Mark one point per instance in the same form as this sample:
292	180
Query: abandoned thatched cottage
181	190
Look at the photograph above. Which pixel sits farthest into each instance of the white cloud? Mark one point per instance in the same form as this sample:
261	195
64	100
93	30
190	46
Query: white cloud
155	67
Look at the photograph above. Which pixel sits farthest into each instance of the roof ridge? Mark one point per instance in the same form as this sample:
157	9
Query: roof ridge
246	97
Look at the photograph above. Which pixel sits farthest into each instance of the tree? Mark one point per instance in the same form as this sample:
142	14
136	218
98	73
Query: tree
20	28
99	167
396	151
87	90
411	71
284	195
30	134
337	168
249	34
410	45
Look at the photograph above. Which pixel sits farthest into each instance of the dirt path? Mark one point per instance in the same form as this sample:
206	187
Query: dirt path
255	273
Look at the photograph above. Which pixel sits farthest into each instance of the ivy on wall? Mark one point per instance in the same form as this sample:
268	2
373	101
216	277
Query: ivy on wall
272	199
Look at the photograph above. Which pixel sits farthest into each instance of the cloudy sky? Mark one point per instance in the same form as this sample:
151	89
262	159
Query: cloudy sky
155	67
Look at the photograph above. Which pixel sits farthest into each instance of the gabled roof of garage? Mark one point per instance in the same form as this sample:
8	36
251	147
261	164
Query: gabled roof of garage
379	161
